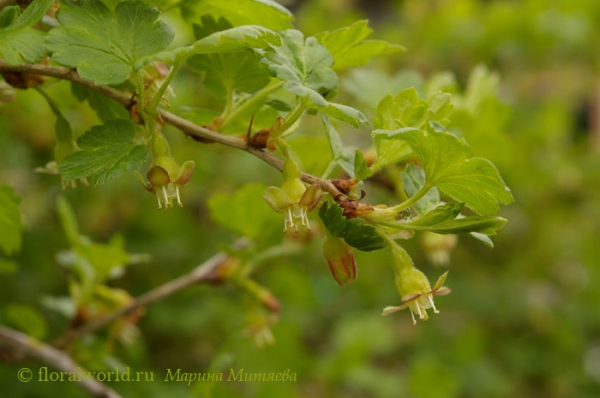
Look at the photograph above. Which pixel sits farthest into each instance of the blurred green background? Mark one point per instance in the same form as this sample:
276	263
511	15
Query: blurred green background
523	319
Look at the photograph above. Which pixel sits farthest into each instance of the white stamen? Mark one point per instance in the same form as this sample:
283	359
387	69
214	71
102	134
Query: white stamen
288	221
430	297
164	189
178	198
421	315
412	316
158	198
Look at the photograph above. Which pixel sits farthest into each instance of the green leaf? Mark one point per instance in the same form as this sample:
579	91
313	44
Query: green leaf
104	45
305	66
344	113
440	214
354	231
402	113
245	212
10	221
226	72
105	107
481	224
267	13
241	38
20	43
449	165
27	319
65	144
486	240
389	151
107	151
477	182
349	47
342	155
446	219
413	179
361	169
408	110
233	71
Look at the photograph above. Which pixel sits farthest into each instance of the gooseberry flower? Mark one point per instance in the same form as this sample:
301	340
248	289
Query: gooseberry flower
293	199
340	259
166	176
416	293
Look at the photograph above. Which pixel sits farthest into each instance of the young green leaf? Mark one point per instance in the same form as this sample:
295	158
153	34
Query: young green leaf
342	155
449	165
354	231
106	45
361	169
107	151
486	240
440	214
404	112
413	179
20	43
389	151
305	66
446	219
226	72
10	221
480	224
267	13
349	47
241	38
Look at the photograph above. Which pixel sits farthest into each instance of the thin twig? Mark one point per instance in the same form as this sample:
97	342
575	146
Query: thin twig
201	273
182	124
53	357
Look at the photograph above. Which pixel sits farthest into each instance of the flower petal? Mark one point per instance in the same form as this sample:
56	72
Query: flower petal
277	199
440	282
311	197
391	309
442	291
185	172
158	176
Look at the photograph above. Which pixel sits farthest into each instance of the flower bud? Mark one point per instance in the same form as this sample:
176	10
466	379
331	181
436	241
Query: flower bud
340	259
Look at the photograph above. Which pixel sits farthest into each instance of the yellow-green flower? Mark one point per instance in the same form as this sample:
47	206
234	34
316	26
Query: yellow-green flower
293	199
416	293
166	176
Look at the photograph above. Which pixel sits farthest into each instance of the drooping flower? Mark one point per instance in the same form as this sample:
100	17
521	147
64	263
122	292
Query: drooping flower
416	293
166	176
293	199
